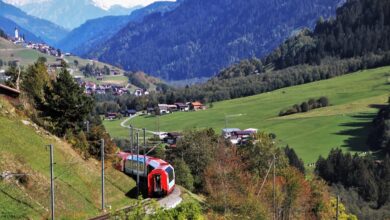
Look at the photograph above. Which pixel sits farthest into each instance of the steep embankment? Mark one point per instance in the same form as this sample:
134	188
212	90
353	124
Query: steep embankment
23	150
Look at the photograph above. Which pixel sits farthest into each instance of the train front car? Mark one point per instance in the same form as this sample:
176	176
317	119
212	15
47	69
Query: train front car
160	174
161	181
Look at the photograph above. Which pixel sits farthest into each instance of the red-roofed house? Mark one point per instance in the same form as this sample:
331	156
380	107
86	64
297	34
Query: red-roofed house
197	106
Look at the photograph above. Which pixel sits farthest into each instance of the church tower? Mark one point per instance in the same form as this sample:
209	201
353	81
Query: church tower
16	33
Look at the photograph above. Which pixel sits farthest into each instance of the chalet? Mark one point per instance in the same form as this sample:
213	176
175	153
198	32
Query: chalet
197	106
99	78
164	109
6	90
150	110
172	138
140	92
111	115
129	112
182	107
90	85
172	108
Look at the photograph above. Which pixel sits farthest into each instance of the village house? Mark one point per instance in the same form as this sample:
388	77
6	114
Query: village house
111	115
182	107
164	109
150	110
172	138
129	112
197	106
140	92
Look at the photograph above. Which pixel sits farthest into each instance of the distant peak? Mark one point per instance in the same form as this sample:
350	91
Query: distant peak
108	4
23	2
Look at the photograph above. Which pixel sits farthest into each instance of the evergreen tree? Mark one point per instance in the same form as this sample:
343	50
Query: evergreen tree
294	160
65	104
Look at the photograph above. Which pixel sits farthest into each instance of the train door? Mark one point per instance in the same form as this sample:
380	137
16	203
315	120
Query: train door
157	187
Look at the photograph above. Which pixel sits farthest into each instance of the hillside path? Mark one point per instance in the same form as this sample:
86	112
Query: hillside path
123	124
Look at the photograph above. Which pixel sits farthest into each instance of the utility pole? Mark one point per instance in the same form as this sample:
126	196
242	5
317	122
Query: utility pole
52	180
144	130
137	163
132	145
273	188
87	122
337	208
102	159
131	139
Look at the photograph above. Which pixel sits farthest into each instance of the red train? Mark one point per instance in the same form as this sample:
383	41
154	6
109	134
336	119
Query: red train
159	174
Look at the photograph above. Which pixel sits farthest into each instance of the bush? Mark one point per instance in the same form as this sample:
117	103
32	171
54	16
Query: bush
306	106
183	174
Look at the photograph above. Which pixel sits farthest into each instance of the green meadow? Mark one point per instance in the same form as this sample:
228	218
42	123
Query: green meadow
354	100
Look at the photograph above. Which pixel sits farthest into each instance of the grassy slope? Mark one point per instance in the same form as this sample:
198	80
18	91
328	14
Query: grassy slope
344	124
77	182
9	52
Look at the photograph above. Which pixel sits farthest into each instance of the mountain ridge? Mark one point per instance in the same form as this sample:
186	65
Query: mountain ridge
97	31
180	44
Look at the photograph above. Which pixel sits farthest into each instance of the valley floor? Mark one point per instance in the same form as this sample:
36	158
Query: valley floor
354	100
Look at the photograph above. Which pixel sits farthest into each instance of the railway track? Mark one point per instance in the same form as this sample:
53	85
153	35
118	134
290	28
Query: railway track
125	209
170	201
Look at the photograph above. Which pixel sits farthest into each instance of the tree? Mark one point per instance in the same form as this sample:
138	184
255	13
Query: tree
183	174
294	160
35	80
304	107
66	105
195	148
324	101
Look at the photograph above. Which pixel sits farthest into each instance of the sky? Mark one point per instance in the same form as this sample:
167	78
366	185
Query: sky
105	4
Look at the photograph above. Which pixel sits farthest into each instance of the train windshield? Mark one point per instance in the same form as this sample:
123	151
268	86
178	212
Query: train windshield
169	170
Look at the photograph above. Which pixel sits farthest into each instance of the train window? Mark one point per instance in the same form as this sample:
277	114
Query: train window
169	170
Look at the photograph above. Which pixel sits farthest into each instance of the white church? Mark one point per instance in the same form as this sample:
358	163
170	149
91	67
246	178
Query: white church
17	38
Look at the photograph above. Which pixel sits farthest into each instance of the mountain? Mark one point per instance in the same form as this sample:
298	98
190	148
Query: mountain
71	13
9	26
357	38
200	37
96	31
41	28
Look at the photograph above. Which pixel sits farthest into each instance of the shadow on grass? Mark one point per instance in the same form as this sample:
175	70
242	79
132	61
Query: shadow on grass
143	189
358	132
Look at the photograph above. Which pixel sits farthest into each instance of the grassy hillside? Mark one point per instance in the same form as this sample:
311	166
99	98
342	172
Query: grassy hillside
10	52
344	124
77	184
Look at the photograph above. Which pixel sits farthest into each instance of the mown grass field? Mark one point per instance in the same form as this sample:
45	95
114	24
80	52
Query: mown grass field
344	124
77	181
